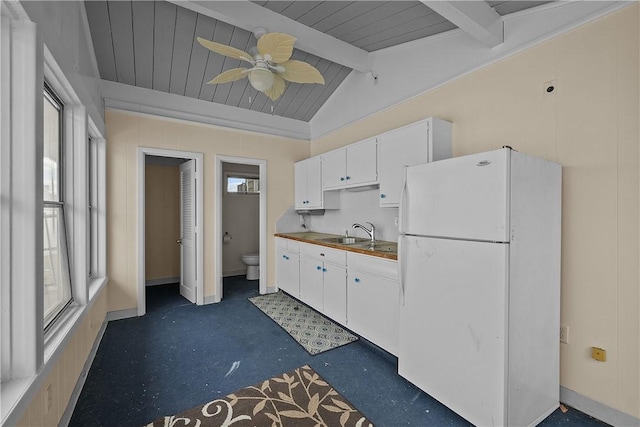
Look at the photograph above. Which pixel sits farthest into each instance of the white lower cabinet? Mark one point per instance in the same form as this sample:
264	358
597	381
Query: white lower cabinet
335	293
373	300
311	282
288	266
358	291
323	280
288	270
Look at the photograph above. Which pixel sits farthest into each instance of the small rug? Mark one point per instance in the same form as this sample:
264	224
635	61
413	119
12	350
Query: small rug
312	330
298	398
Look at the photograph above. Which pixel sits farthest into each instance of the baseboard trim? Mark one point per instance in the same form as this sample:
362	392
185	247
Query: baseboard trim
242	272
597	410
122	314
75	395
211	299
162	281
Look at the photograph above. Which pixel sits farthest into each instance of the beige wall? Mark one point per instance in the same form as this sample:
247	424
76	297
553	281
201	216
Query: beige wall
162	221
65	373
589	124
126	132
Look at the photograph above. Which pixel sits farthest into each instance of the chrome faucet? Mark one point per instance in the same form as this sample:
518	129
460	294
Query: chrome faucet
371	233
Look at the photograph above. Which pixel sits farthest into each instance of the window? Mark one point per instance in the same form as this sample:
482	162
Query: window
57	275
239	183
92	212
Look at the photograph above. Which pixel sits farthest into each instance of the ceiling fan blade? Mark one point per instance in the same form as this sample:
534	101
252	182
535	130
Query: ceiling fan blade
277	89
229	76
300	72
225	50
277	45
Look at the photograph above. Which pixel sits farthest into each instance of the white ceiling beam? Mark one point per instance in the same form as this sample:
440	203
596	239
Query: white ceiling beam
474	17
250	16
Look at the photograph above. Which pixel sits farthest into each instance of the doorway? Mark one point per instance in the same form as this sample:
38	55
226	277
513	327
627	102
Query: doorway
250	165
186	236
240	220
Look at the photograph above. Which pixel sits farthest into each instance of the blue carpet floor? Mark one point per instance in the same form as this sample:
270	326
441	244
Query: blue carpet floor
180	355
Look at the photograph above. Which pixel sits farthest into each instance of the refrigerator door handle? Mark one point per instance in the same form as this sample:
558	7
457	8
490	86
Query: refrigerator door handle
401	269
403	195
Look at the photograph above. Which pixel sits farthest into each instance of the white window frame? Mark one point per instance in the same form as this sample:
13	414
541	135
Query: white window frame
28	353
53	97
228	174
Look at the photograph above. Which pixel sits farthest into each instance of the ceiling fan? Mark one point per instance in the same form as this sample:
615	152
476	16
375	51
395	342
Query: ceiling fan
270	61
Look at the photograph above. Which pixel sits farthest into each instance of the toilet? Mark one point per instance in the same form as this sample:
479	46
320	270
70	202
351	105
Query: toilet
252	261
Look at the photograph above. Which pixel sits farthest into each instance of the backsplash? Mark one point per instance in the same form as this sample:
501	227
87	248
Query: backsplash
355	206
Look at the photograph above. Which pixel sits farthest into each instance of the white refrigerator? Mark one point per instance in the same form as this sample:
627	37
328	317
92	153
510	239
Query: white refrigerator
479	261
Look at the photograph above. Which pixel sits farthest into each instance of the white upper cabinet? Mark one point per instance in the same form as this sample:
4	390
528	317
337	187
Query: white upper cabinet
351	166
308	186
421	142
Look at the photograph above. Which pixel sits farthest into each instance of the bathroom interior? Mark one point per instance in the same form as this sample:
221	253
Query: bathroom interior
241	221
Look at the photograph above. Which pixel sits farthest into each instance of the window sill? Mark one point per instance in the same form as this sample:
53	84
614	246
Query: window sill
16	395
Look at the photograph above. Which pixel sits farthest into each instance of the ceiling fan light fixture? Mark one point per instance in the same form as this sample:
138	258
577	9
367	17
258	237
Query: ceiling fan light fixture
271	61
260	78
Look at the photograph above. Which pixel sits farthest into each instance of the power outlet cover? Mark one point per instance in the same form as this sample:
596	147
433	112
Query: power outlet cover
564	334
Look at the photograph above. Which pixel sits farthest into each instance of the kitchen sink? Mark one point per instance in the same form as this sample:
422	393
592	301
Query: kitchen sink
378	247
343	240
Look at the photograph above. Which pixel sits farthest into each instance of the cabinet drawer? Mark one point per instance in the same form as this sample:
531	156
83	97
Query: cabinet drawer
373	265
288	244
323	253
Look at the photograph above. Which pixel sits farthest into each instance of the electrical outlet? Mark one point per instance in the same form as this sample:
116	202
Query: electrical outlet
564	334
599	354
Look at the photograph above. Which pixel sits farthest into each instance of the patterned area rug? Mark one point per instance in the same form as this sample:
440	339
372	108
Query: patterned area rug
312	330
298	399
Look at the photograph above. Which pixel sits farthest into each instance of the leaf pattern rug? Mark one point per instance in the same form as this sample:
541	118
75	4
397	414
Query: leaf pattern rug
298	398
311	329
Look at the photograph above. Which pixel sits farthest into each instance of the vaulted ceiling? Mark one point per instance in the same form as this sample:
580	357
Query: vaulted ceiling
152	44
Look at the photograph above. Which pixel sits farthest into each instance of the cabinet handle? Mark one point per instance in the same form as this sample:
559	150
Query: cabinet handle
321	254
324	270
356	280
382	196
348	177
341	178
318	268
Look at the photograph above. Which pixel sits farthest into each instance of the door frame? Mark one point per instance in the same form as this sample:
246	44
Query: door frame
189	155
262	165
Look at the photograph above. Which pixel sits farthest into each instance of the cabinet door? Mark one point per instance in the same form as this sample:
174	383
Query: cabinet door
372	307
334	167
335	293
300	185
311	282
362	164
407	146
288	272
314	182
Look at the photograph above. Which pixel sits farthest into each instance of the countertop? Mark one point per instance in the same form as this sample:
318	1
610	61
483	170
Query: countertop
380	248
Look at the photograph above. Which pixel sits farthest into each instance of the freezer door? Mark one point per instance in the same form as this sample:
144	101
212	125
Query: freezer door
453	324
463	197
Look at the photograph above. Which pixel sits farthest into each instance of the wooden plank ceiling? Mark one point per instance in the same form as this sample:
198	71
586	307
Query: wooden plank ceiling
152	44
